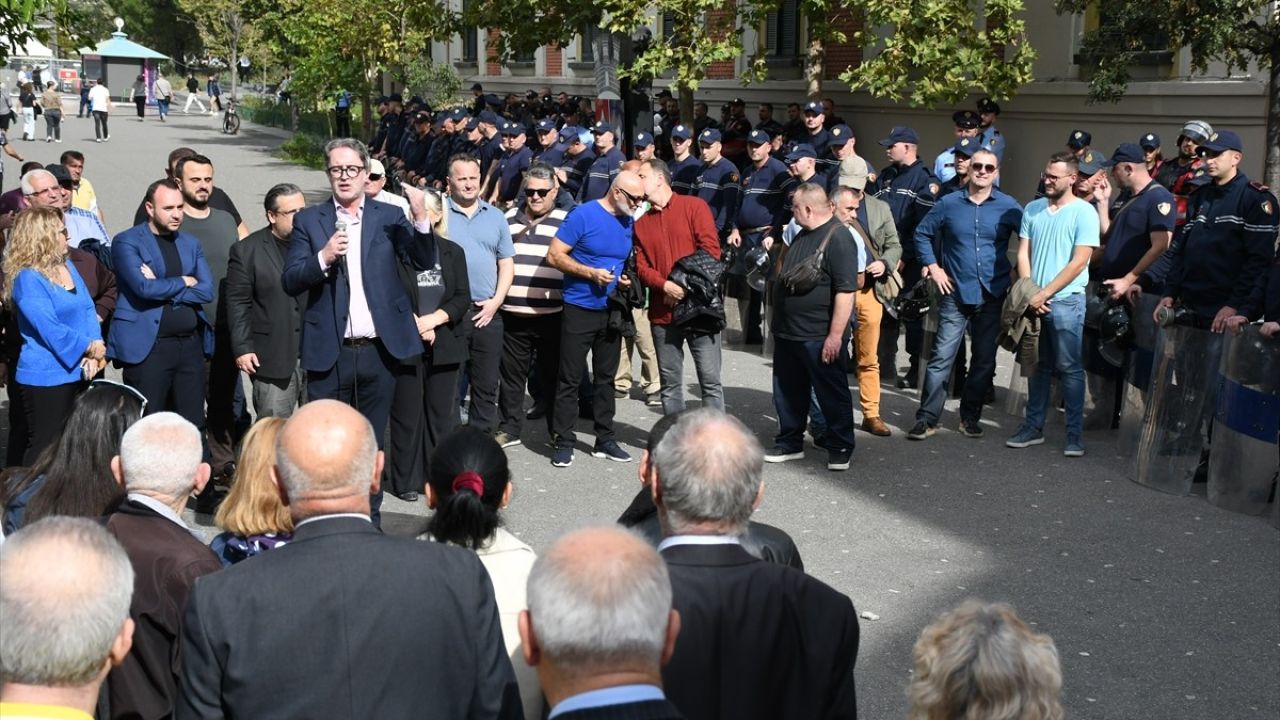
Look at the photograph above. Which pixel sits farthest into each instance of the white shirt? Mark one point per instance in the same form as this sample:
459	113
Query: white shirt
164	511
698	540
397	200
359	316
99	98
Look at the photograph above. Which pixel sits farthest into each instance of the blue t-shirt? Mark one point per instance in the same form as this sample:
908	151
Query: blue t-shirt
1129	237
598	239
484	238
1054	237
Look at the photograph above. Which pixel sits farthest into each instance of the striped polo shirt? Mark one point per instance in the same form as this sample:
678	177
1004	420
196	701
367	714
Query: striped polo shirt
536	289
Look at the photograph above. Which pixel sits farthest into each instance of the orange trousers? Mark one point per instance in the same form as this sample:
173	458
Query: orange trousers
866	340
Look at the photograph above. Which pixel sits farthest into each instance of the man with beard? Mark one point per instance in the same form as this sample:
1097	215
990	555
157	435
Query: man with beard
216	231
1180	175
966	122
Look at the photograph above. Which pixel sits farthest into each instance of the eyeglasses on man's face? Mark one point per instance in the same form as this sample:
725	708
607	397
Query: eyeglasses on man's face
538	192
342	172
982	168
634	199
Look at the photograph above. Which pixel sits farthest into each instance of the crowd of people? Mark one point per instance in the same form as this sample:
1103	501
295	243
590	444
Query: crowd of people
458	270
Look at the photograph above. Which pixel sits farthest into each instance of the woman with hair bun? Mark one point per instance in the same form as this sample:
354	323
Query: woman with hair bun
469	483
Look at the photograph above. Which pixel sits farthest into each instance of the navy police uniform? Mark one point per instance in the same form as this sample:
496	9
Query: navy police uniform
684	173
718	185
603	170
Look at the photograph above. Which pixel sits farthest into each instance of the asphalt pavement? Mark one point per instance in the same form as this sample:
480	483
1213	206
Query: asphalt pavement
1161	606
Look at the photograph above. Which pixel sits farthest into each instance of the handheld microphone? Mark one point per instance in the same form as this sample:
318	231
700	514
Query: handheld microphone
341	226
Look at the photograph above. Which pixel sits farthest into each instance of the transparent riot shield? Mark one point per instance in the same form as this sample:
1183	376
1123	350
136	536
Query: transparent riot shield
1137	381
1246	429
1180	404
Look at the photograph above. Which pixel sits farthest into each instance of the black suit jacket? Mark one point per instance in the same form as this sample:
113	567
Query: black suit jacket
647	710
449	348
758	640
261	317
166	561
345	622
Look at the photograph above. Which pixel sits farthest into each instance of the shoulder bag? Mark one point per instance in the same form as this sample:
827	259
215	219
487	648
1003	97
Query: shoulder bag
889	285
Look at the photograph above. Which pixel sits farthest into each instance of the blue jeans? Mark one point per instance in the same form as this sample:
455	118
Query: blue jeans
162	106
1061	349
798	370
983	322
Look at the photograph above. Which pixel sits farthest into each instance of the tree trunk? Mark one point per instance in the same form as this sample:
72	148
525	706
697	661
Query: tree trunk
815	67
685	95
1271	171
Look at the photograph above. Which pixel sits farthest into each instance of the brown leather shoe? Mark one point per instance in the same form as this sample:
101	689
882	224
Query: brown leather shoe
876	426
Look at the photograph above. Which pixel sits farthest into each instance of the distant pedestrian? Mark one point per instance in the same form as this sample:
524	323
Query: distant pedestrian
139	95
162	90
215	94
100	105
6	107
193	95
83	110
27	101
51	105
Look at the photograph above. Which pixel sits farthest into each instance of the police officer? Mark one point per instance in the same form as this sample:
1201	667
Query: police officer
909	187
718	182
1079	142
489	147
1179	174
642	147
666	117
550	149
767	123
515	160
964	149
989	137
966	122
1150	144
764	210
846	168
816	135
686	166
735	132
577	160
1219	258
608	161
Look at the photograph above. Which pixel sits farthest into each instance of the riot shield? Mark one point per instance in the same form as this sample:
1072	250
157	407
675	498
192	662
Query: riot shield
1180	403
1104	371
1137	379
1246	429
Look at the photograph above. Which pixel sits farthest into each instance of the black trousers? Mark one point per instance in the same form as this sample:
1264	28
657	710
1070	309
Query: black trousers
46	410
342	122
223	379
526	339
171	377
18	427
364	378
484	356
423	410
583	331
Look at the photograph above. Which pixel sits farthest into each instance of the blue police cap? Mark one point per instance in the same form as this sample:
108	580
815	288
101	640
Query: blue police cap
473	124
987	105
814	107
601	126
840	134
457	114
395	97
759	137
488	116
1079	139
546	125
643	140
1127	152
966	119
569	132
1224	140
901	134
1090	163
803	150
1150	141
708	136
512	129
966	146
681	132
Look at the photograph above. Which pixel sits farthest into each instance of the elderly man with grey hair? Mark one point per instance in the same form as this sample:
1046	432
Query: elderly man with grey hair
344	622
65	586
788	641
599	627
159	466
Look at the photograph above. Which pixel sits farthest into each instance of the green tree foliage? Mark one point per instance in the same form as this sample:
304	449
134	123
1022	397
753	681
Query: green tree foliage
160	25
938	51
1234	32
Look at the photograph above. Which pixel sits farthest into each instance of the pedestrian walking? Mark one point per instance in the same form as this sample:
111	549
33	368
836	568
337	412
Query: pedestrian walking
51	107
100	105
139	95
162	90
27	102
215	94
193	95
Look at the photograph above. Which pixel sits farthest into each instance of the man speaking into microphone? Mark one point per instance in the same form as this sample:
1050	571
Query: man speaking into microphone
346	256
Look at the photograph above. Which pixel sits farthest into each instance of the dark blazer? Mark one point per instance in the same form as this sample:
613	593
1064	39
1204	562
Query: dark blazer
386	238
648	710
100	281
345	622
758	640
449	348
261	317
166	561
140	301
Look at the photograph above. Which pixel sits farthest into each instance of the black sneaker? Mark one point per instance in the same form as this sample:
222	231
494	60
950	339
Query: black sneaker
921	430
562	457
781	455
839	459
610	450
506	439
970	429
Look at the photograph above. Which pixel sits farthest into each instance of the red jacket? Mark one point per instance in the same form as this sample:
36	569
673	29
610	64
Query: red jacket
664	236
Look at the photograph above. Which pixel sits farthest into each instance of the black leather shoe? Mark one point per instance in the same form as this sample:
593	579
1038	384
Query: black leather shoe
410	496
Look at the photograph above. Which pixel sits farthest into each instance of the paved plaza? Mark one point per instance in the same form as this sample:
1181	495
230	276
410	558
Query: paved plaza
1161	606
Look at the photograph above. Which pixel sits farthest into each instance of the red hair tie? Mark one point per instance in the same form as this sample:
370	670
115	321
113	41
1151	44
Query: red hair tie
469	480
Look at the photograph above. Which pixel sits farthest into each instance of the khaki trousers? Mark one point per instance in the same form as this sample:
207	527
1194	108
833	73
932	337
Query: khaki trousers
866	339
649	379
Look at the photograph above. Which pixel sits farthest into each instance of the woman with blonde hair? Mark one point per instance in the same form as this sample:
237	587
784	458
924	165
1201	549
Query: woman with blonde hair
252	515
62	344
981	662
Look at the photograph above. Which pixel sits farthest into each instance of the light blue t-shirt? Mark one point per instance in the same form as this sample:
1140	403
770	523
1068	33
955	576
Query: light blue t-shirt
484	238
1054	236
598	239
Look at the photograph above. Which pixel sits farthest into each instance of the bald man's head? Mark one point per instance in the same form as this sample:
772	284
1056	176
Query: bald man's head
327	452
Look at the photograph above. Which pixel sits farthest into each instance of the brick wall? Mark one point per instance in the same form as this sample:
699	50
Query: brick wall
719	22
842	56
491	65
555	61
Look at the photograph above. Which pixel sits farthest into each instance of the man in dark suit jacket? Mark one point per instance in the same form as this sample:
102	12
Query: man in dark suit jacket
757	640
600	626
159	466
359	325
327	625
159	332
264	321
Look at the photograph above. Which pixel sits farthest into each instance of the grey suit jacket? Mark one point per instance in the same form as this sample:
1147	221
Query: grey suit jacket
343	623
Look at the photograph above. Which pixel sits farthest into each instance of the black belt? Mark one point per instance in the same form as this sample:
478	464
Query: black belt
748	231
358	341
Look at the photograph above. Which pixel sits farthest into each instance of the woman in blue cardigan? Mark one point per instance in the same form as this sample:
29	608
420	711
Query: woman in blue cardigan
61	340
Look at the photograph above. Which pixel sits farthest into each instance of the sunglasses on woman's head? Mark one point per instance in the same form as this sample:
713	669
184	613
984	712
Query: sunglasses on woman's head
123	389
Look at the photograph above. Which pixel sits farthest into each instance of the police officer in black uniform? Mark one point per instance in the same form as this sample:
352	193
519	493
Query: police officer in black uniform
550	149
686	165
816	135
961	152
577	160
718	182
763	212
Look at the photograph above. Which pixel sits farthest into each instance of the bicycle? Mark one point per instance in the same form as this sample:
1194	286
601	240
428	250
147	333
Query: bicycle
231	118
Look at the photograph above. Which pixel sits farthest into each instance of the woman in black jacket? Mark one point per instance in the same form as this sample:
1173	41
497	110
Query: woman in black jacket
425	405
